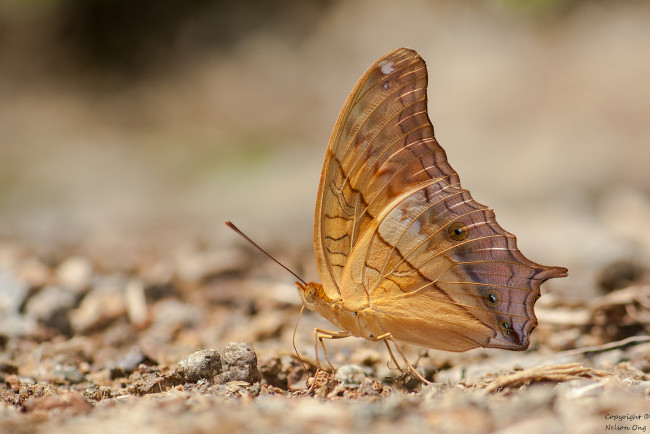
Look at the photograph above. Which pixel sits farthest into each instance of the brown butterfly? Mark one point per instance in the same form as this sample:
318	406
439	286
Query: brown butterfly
403	251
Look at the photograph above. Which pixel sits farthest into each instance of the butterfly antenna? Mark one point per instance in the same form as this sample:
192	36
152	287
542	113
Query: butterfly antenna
236	229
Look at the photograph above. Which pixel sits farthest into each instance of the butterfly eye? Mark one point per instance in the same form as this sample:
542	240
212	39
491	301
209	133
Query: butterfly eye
492	297
506	328
458	231
309	293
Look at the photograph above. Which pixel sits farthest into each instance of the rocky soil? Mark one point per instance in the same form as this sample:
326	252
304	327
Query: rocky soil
87	347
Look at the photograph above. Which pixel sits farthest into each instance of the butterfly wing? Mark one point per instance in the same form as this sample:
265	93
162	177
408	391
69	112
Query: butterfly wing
396	232
381	137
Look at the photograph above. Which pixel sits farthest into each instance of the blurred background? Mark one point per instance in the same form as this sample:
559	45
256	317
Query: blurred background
145	125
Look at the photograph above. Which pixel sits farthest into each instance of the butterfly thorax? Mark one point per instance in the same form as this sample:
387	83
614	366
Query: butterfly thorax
357	322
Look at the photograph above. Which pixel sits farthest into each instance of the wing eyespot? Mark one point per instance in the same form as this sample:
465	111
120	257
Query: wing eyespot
506	328
492	297
458	231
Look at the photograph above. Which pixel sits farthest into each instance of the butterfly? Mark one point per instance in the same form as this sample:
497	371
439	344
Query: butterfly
404	253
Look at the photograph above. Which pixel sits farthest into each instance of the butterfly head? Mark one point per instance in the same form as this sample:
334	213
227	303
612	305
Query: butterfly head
311	294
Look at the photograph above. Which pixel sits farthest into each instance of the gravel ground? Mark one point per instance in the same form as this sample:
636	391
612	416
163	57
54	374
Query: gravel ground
86	348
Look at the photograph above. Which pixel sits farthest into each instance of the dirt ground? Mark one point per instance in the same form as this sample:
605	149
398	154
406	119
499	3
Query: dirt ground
127	305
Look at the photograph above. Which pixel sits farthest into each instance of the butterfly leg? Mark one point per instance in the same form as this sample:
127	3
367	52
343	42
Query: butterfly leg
388	337
319	335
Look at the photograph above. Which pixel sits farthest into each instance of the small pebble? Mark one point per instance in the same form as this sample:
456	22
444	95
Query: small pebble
97	393
98	308
74	273
136	303
92	393
130	362
14	325
12	293
33	273
239	363
8	368
352	375
64	373
50	306
201	364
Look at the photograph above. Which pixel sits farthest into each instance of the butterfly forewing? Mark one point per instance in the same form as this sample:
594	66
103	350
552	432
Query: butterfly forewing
382	144
395	231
